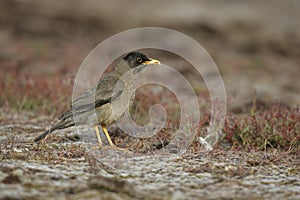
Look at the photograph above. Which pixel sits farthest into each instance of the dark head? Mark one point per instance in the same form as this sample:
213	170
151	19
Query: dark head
135	59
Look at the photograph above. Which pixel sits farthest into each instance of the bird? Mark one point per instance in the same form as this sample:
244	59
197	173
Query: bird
99	98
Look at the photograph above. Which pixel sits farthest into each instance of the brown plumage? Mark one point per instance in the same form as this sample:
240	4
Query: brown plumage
99	98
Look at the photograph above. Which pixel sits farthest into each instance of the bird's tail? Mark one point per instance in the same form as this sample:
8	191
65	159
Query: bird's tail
59	125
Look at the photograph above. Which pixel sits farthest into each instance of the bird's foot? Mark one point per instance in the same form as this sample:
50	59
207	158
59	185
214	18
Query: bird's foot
96	147
114	147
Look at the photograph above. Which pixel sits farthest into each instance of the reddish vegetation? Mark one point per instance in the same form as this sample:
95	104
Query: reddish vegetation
277	127
46	94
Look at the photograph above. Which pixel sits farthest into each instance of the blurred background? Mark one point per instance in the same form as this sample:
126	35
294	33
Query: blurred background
255	44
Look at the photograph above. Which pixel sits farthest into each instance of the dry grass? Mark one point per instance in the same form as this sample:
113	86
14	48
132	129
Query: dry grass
275	126
46	94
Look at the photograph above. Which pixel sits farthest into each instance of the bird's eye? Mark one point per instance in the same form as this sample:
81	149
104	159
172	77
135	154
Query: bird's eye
139	59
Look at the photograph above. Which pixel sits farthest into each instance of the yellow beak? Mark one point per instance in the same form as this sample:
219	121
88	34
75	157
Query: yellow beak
151	61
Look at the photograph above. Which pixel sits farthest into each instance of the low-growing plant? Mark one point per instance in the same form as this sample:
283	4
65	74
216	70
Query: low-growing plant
48	94
277	127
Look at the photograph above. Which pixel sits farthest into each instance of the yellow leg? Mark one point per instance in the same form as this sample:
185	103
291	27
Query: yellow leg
107	136
98	135
110	142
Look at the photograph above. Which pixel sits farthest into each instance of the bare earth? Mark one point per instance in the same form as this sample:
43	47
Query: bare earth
255	44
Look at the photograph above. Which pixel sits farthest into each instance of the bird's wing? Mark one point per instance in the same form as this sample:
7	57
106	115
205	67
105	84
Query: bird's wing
109	87
103	93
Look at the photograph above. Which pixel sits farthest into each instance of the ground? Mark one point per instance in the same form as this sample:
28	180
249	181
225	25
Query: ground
256	46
